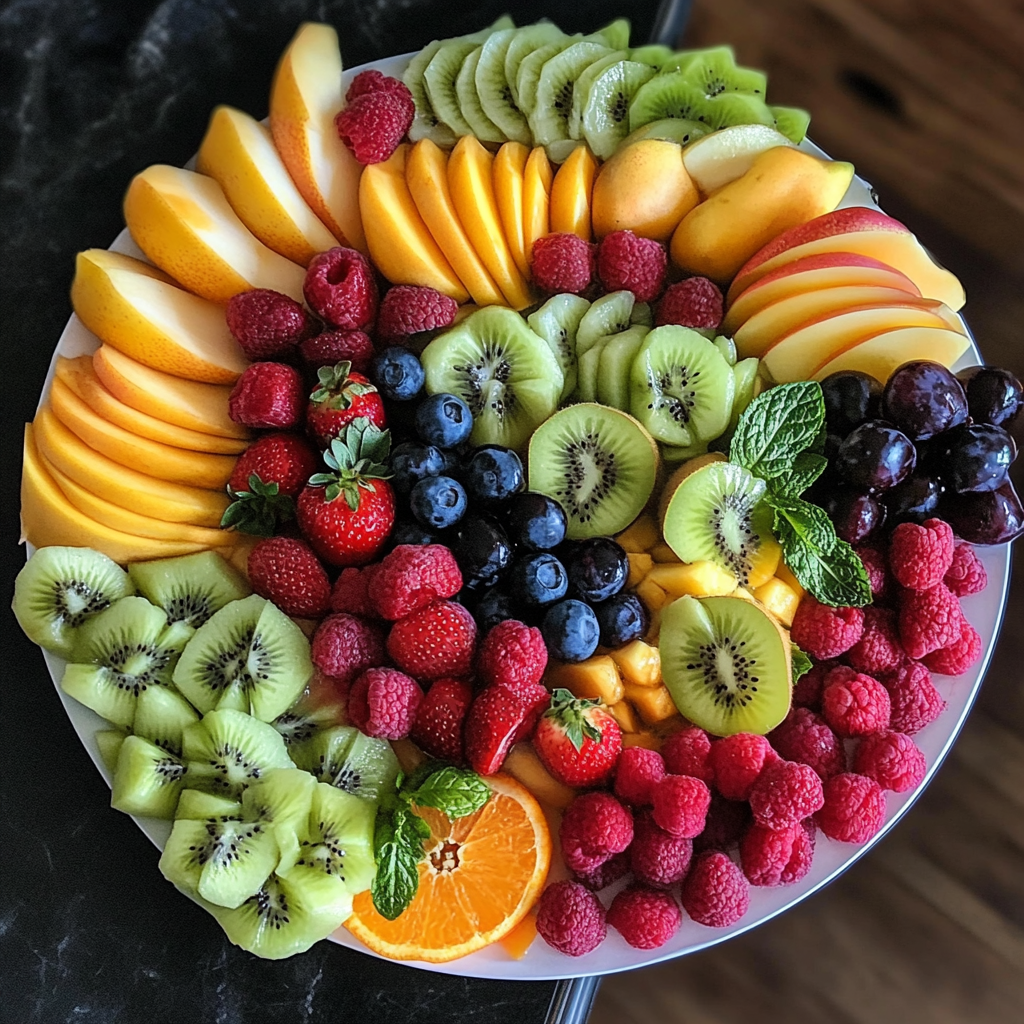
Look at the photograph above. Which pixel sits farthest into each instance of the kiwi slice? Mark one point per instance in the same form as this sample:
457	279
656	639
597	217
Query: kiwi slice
505	373
557	322
673	455
494	88
530	68
189	588
604	113
614	35
616	361
726	664
59	588
581	89
526	41
610	314
671	95
792	122
654	55
250	657
194	803
147	779
669	129
319	707
727	347
749	385
109	743
714	71
440	76
347	759
469	100
589	368
281	799
549	119
161	716
599	463
642	314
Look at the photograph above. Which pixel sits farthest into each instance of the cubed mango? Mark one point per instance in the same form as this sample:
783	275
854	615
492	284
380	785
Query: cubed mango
624	714
780	599
597	678
641	739
652	595
523	764
693	579
785	574
663	553
639	663
654	703
641	536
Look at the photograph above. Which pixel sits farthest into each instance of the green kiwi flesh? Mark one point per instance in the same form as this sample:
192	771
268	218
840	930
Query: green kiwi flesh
108	742
581	90
792	122
557	322
494	87
161	716
282	799
604	112
469	100
147	779
668	129
616	359
526	41
714	71
194	803
347	759
189	588
614	35
549	119
672	95
610	314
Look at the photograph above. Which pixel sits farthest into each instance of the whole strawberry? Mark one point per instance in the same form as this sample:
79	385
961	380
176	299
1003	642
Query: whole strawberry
341	397
286	571
578	742
439	719
347	514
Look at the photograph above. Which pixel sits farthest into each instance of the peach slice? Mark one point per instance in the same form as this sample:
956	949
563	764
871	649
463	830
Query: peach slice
472	191
827	270
537	178
572	194
426	174
881	354
305	97
137	309
183	222
238	153
855	229
509	169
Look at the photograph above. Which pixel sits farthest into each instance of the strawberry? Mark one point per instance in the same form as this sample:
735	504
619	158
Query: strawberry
497	719
341	397
286	571
578	742
438	725
346	515
435	641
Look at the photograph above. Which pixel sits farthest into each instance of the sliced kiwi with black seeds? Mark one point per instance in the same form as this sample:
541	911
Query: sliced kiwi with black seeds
189	588
147	779
526	41
726	664
654	55
549	119
109	741
791	121
440	76
671	95
589	367
347	759
194	803
505	373
469	100
319	707
581	90
604	114
616	361
161	716
610	314
599	463
494	89
749	385
282	799
557	322
60	588
668	129
614	35
714	71
530	68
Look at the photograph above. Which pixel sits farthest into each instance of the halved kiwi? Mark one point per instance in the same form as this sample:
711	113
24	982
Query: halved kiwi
109	743
714	71
530	67
616	360
614	35
147	779
189	588
557	322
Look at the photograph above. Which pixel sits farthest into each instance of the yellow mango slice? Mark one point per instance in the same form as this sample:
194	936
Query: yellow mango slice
642	535
572	192
696	579
639	663
537	178
596	678
508	170
780	599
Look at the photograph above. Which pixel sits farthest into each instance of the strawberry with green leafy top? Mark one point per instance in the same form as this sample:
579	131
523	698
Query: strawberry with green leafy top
341	397
577	740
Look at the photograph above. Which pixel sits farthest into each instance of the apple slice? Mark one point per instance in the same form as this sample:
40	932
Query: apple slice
882	353
725	155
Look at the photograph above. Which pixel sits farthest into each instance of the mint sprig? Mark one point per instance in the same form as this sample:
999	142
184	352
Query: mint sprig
800	662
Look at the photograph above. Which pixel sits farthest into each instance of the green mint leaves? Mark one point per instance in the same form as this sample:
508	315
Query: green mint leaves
801	663
455	792
776	427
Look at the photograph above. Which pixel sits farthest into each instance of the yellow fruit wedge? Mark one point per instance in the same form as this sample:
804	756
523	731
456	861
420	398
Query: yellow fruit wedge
400	243
881	354
426	174
696	579
596	678
238	153
471	183
537	178
508	171
523	764
183	222
572	192
780	599
137	309
639	663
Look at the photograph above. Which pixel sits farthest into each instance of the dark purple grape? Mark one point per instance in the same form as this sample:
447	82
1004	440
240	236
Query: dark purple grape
914	500
854	515
923	399
481	548
994	395
598	568
832	443
974	457
851	398
985	517
875	456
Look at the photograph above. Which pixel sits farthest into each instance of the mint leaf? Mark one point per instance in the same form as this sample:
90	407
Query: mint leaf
453	791
398	849
776	427
801	663
807	467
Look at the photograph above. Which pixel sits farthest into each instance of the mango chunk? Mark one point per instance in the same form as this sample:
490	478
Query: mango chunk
694	579
641	536
639	663
523	764
641	739
662	553
780	599
785	574
624	714
764	563
652	595
597	678
654	703
640	564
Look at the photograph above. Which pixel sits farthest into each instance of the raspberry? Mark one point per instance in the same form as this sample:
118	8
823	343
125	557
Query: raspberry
411	576
437	728
825	632
877	567
562	262
605	874
919	556
958	657
350	592
727	820
374	123
512	655
268	395
807	691
332	347
737	761
914	700
892	759
805	737
344	646
646	918
266	323
281	458
854	808
383	703
715	892
286	571
435	641
878	649
686	753
856	706
570	918
625	261
375	81
594	826
636	772
655	857
695	302
785	793
341	288
409	309
777	856
966	574
680	805
929	620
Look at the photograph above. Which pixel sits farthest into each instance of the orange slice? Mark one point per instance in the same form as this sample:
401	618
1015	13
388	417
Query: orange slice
479	879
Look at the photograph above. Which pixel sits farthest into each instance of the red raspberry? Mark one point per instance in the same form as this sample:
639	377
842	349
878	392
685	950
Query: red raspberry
626	262
877	567
958	657
695	302
914	700
785	793
287	572
413	575
727	821
646	918
607	873
636	772
341	288
268	395
594	826
807	691
570	918
410	309
853	810
331	347
825	632
266	323
919	556
656	857
562	262
374	123
438	725
344	646
283	459
715	893
498	718
856	706
966	574
686	753
383	703
512	655
879	649
435	641
838	674
350	592
341	397
737	762
806	737
777	856
929	620
375	81
680	805
892	759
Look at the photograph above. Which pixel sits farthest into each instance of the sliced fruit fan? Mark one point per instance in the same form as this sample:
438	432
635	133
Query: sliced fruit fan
525	497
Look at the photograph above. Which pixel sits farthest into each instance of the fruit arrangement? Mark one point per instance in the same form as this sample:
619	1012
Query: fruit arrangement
511	500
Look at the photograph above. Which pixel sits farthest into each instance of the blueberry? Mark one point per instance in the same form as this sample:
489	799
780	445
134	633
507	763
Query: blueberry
598	568
539	579
438	501
482	550
412	462
398	374
492	475
411	533
623	619
570	630
536	522
495	605
443	420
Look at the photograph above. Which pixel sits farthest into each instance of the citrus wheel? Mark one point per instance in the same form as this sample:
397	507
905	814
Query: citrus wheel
480	877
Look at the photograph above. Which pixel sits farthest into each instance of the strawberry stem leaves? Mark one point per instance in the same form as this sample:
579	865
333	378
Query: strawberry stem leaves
571	713
356	458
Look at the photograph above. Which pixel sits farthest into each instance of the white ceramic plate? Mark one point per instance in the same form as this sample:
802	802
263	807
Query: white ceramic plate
985	612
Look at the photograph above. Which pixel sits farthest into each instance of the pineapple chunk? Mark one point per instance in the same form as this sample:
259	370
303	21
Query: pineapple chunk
764	563
780	599
597	678
623	714
654	703
639	663
639	566
652	595
519	940
641	739
663	553
785	574
693	579
523	764
641	536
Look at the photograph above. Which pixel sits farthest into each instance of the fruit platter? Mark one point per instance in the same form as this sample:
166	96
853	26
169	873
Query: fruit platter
522	510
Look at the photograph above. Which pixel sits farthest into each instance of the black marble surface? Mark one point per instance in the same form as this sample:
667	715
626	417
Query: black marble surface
91	92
